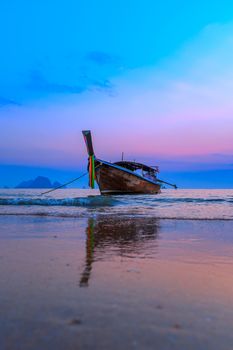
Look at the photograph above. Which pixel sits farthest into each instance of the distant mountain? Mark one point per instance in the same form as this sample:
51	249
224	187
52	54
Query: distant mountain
38	182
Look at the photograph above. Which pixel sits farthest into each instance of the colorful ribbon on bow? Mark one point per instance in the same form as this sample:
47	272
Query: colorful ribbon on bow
92	171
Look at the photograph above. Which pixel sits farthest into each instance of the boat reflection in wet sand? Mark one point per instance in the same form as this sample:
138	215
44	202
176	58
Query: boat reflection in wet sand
121	177
125	237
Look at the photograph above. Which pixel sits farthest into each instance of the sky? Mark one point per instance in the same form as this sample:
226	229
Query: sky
152	79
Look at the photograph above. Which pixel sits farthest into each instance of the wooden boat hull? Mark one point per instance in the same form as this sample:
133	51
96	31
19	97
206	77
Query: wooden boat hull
121	177
113	179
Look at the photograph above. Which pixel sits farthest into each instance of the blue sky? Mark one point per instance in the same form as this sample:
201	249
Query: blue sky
150	78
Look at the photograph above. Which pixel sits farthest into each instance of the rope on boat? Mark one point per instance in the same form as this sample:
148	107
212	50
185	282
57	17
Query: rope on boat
67	183
70	182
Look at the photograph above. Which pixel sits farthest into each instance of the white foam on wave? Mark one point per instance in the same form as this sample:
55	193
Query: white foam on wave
94	201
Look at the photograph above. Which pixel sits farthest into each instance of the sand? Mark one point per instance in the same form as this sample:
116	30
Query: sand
115	283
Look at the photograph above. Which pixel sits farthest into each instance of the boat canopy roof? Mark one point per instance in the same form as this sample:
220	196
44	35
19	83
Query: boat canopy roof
135	166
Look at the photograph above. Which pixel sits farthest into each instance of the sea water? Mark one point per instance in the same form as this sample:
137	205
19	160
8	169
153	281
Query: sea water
170	204
78	269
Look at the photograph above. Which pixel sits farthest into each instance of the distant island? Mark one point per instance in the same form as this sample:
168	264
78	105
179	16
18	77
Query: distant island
38	182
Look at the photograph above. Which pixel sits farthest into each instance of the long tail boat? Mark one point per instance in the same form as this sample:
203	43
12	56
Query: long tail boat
122	177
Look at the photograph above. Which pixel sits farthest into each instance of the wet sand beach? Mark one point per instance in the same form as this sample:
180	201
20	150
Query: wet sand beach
115	283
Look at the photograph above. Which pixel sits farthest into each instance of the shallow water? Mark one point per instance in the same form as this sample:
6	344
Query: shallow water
119	282
170	204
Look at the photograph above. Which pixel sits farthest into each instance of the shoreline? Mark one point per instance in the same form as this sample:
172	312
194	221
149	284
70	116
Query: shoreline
114	215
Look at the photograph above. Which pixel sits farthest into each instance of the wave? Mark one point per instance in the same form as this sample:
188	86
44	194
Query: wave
187	200
95	201
179	205
100	201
